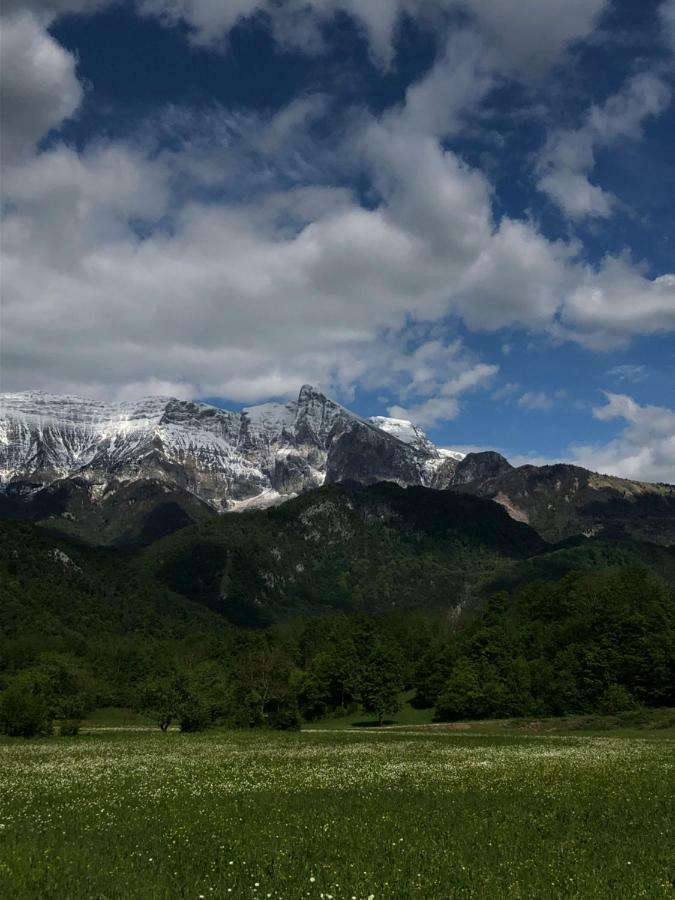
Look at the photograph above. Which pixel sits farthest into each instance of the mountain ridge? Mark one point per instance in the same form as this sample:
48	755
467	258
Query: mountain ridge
121	471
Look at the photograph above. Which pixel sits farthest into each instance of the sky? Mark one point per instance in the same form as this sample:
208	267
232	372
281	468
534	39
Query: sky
458	212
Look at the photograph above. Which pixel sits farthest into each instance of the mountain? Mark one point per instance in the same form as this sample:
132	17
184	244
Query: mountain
343	574
106	469
350	549
561	501
374	549
133	471
56	591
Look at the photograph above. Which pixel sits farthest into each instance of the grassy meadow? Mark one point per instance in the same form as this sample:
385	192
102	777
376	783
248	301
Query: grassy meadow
336	814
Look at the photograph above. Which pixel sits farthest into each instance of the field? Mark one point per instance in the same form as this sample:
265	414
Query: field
370	814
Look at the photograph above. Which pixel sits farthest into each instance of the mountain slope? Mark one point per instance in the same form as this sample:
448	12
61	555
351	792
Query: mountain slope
374	549
131	472
378	549
59	591
59	455
563	500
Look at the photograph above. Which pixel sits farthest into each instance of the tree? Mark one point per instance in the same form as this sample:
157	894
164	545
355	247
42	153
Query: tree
65	689
380	683
193	712
518	688
160	699
24	712
263	675
463	696
310	693
616	699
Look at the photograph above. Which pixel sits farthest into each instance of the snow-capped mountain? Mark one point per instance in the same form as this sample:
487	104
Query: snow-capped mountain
229	460
136	470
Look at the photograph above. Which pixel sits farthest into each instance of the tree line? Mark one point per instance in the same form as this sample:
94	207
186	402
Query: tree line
593	641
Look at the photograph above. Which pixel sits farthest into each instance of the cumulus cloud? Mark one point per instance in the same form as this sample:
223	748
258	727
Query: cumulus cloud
611	304
568	158
645	448
38	84
460	79
221	296
532	34
252	295
121	273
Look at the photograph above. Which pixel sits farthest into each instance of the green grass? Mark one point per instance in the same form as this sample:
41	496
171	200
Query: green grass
631	723
382	814
406	715
115	717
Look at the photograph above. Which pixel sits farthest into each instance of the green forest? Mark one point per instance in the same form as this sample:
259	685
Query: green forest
334	603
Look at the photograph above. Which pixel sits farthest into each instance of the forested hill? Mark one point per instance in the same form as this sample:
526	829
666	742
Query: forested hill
374	550
327	597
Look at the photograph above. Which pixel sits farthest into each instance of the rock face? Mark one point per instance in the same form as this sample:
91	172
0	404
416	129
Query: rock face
121	472
480	467
83	459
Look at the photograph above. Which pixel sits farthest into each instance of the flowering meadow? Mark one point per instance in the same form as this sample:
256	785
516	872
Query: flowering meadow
361	815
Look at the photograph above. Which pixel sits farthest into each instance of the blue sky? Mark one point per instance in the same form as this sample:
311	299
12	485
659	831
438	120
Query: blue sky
458	212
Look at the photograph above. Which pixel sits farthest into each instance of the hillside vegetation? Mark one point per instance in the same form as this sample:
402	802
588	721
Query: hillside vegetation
334	602
373	550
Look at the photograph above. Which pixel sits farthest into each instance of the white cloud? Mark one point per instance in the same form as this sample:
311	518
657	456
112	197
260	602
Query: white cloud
535	400
491	275
71	210
628	372
519	278
615	302
455	86
541	400
247	299
445	405
506	392
118	275
644	450
38	84
529	35
532	34
667	19
568	158
575	195
48	10
220	296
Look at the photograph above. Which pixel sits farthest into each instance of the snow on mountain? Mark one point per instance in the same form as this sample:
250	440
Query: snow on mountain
446	453
412	434
231	460
405	431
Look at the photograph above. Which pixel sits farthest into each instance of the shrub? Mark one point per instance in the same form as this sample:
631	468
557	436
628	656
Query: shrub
69	727
24	712
193	715
616	699
285	719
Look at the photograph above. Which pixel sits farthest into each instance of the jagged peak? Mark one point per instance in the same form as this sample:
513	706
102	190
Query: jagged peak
309	392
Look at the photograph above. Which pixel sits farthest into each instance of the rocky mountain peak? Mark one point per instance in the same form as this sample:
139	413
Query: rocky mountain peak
121	468
480	466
